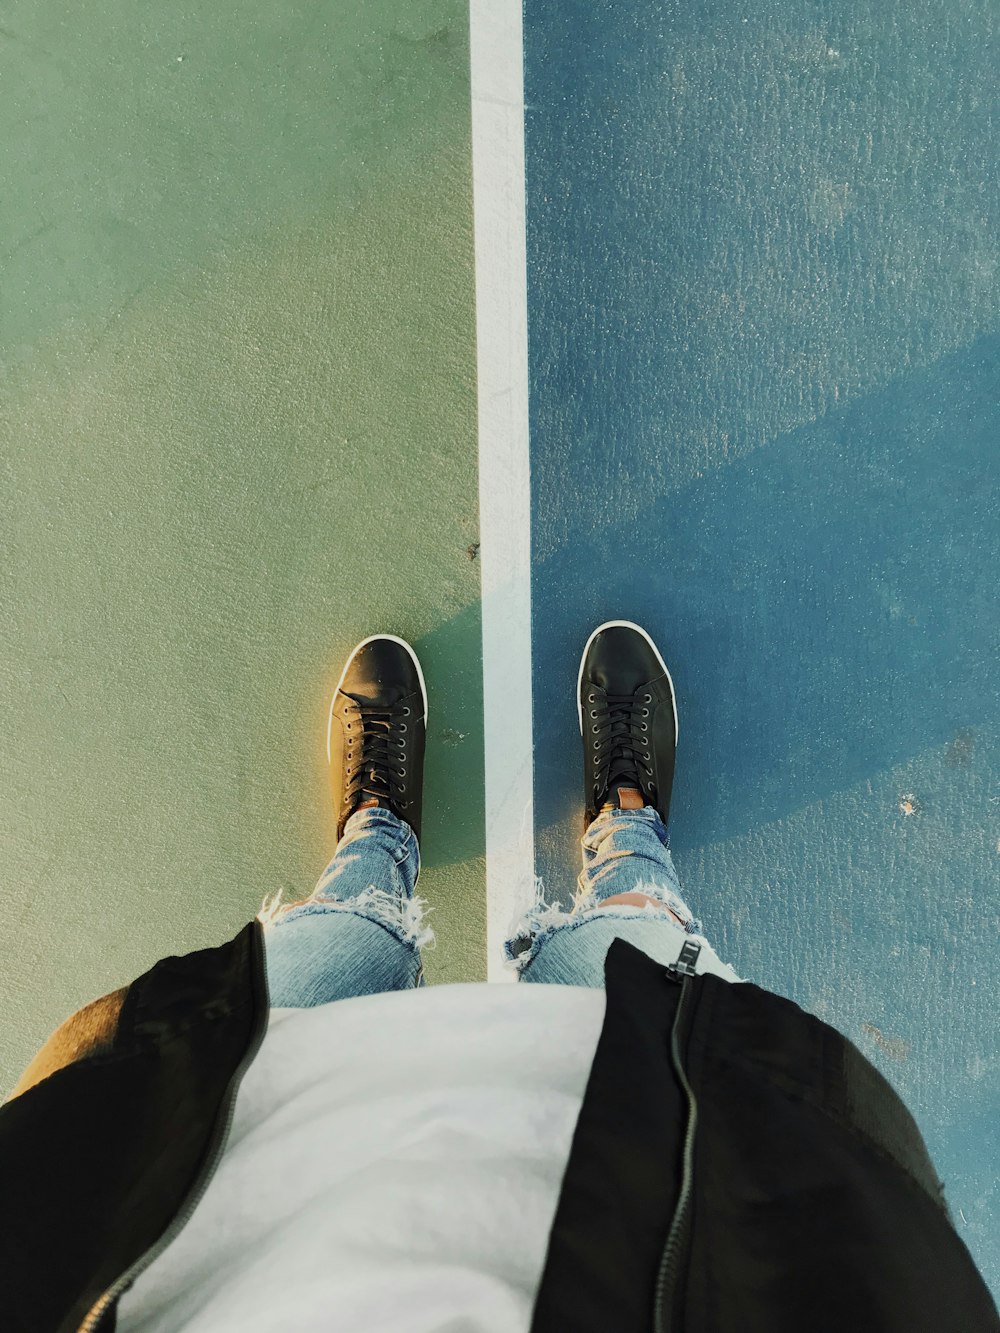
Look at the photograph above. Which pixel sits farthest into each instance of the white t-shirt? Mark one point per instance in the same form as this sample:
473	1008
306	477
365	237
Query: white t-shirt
394	1166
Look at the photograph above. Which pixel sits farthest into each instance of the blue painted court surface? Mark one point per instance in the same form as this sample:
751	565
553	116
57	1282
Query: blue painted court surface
764	387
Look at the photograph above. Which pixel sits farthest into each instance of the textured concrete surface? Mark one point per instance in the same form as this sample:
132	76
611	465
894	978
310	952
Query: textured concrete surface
238	434
765	403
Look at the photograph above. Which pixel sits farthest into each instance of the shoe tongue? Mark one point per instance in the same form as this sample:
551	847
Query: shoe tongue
623	798
630	798
367	805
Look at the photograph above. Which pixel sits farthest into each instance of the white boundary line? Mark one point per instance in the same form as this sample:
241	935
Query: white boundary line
504	492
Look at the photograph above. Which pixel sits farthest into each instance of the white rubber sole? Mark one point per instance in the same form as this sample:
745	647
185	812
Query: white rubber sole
371	638
625	624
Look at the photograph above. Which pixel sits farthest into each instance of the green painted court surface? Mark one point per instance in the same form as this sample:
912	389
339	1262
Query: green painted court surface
238	434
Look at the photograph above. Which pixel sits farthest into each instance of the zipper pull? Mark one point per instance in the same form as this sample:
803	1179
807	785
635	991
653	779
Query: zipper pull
686	960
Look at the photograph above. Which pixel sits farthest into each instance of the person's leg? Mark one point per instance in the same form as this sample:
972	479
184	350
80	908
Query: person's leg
626	856
628	889
361	930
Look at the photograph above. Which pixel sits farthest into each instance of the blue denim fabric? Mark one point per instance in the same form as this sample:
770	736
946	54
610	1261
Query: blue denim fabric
361	930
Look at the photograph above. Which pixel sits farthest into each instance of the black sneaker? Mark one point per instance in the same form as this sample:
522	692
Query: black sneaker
376	732
628	720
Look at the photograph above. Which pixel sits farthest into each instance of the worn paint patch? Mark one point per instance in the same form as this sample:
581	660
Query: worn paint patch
959	752
894	1047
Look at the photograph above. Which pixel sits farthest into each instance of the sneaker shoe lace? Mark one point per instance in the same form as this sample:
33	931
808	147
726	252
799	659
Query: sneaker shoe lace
380	769
621	754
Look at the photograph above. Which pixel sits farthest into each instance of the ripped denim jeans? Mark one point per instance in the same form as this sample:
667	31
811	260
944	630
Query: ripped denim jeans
362	928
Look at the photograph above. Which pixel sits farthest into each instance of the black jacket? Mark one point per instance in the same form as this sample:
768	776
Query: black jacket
737	1165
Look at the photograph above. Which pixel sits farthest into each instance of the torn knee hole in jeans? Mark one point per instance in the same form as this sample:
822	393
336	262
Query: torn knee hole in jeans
619	905
403	916
640	900
664	903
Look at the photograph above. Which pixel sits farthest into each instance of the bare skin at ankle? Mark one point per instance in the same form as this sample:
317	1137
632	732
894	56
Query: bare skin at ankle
639	900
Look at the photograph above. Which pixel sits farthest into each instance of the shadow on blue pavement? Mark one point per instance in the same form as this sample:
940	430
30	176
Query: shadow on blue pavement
826	605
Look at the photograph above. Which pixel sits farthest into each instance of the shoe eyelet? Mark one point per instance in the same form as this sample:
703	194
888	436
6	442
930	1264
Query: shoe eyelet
402	772
593	729
406	712
649	771
647	698
348	726
597	745
590	698
593	712
645	712
402	726
644	726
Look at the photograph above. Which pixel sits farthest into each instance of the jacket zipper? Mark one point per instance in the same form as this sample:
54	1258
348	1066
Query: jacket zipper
213	1155
677	1237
